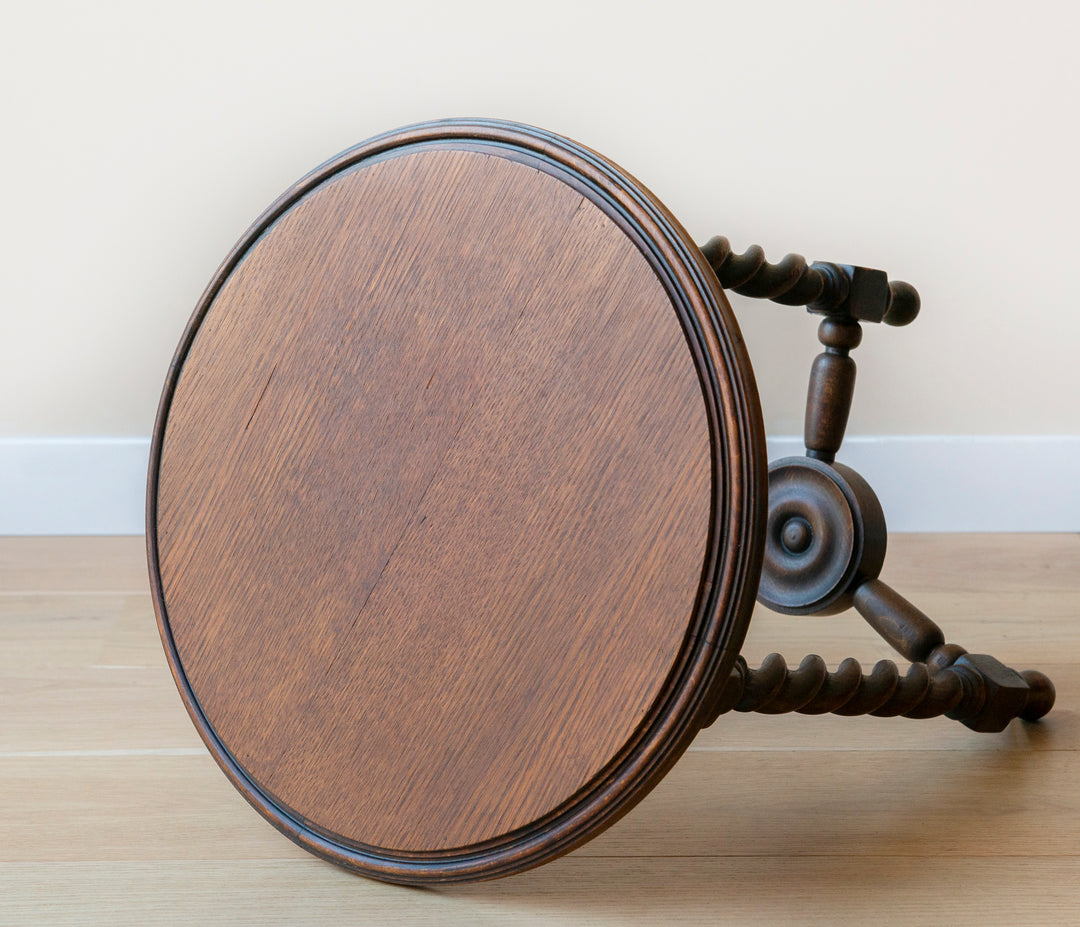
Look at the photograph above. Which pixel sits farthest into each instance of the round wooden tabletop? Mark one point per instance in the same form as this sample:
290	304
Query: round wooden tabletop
455	502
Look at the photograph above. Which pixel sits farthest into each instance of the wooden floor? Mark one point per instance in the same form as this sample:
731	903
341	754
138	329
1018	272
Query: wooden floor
112	812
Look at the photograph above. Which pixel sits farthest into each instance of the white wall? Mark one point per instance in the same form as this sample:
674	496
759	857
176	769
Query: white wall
937	140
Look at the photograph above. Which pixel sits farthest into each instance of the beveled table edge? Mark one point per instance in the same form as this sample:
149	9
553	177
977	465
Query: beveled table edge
734	548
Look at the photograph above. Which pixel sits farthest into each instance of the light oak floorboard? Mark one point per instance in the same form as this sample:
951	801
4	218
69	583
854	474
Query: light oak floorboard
73	564
112	812
575	891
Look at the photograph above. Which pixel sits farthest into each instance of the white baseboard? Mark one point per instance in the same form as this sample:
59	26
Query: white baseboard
925	483
73	485
966	482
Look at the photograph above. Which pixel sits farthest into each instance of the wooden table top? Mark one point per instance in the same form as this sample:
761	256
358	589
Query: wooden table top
456	489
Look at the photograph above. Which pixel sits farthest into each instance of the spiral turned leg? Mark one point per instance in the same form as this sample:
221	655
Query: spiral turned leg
834	289
976	690
825	536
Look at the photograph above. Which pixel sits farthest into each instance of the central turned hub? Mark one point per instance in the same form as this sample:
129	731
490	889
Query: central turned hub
824	531
797	535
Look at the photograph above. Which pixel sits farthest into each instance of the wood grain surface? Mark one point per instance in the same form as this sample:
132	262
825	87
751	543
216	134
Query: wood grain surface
435	515
112	812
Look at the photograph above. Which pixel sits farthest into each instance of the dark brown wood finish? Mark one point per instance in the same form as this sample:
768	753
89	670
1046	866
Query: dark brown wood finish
825	536
831	388
455	502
